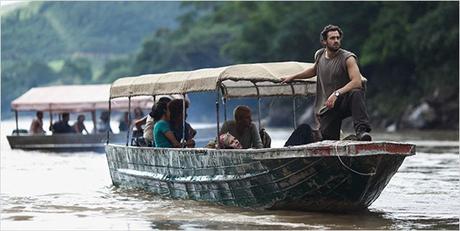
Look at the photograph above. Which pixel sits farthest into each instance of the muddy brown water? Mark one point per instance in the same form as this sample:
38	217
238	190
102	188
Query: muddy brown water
73	191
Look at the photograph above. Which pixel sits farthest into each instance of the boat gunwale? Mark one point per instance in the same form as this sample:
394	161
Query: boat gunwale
318	149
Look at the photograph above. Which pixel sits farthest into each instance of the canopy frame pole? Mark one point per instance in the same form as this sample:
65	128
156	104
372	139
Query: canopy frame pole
93	117
183	141
224	101
293	106
129	120
154	99
258	105
110	114
217	114
51	119
17	125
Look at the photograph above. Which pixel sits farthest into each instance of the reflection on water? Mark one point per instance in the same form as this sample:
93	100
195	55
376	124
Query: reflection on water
50	191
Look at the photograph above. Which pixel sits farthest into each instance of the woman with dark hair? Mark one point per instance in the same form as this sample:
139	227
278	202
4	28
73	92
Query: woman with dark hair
162	133
149	120
175	109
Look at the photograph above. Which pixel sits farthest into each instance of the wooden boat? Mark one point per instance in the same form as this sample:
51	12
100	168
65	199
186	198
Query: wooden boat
323	176
73	99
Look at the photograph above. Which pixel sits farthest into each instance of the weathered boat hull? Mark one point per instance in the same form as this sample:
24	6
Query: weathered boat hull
63	142
327	176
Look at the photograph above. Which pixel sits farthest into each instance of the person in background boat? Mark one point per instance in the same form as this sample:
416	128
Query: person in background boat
103	125
36	127
150	119
79	126
242	128
175	108
339	89
62	126
163	136
124	122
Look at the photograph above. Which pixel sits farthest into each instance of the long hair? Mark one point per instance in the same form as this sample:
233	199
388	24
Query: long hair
175	109
158	110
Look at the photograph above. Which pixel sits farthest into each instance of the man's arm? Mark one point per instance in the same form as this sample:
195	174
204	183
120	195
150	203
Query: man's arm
354	74
306	74
355	81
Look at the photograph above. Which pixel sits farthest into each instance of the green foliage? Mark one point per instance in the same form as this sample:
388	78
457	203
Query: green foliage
407	50
75	38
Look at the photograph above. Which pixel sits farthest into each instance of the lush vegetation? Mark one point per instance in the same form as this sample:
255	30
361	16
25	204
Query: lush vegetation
47	43
407	50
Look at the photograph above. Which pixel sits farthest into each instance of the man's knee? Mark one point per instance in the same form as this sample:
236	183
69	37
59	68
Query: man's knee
357	91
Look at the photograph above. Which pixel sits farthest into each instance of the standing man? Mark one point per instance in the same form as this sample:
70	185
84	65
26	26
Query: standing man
339	90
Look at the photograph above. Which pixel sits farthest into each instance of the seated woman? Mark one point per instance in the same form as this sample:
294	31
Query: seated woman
162	133
242	128
150	119
79	126
175	108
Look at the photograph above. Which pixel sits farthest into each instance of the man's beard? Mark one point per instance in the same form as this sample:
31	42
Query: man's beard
334	48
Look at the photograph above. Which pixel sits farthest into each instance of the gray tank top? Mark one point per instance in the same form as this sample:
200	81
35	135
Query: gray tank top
331	74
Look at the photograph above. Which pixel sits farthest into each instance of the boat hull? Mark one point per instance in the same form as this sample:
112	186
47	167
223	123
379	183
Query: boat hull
329	176
63	142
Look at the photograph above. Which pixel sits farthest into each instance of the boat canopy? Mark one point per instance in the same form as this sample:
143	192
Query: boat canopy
242	80
74	98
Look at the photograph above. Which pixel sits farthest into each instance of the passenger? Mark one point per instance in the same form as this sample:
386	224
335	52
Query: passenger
62	126
150	119
303	134
163	135
104	123
242	128
124	122
175	109
36	127
79	126
228	141
138	114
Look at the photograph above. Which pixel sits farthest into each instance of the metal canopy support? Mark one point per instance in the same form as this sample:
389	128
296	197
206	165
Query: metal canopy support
293	106
93	117
217	116
183	141
224	102
129	120
110	113
51	119
258	105
17	125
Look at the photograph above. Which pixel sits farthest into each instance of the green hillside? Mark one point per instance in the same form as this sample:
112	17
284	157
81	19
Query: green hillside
46	43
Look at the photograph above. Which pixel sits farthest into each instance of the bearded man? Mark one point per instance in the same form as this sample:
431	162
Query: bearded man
339	89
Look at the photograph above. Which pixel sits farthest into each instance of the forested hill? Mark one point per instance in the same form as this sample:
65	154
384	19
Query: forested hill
407	50
46	43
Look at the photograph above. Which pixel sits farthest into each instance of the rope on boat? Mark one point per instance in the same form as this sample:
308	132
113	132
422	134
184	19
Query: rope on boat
349	168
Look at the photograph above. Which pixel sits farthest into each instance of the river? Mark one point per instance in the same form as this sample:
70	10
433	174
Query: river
73	191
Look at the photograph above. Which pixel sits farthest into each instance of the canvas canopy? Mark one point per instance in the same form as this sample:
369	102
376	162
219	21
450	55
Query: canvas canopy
74	98
240	80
